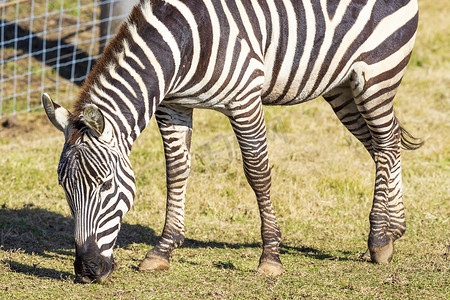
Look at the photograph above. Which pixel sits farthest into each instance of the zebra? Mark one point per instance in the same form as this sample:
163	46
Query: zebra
172	56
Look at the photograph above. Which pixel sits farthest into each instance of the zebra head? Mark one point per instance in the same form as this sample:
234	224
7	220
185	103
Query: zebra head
99	185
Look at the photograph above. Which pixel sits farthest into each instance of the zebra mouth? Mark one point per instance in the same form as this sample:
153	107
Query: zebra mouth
89	280
93	271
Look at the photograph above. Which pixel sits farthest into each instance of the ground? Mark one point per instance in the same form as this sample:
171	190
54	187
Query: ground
322	191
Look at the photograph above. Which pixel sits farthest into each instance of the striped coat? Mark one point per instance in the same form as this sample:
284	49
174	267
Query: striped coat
234	57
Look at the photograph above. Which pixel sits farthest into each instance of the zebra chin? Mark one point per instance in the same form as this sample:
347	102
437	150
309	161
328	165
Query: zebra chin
91	266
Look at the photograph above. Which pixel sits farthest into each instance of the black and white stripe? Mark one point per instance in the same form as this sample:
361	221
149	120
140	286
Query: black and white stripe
234	56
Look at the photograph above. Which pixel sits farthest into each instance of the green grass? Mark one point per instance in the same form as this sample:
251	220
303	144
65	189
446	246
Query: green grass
322	192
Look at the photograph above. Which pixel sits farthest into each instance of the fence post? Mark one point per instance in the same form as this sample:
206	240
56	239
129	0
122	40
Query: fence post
109	14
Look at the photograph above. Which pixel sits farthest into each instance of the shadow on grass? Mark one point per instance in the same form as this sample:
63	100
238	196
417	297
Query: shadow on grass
318	254
38	272
48	234
41	232
284	249
70	62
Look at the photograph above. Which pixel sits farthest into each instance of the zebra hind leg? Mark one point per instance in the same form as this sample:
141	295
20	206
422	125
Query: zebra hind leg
373	94
175	125
250	129
344	106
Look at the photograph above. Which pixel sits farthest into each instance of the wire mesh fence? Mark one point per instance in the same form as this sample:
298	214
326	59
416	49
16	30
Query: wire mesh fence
50	46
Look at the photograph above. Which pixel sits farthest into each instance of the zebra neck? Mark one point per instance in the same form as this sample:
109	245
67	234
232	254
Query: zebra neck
136	71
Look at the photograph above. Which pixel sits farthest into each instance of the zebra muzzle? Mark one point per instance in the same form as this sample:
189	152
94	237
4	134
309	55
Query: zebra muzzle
90	266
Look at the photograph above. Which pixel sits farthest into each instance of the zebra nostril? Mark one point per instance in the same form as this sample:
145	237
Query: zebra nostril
99	269
86	279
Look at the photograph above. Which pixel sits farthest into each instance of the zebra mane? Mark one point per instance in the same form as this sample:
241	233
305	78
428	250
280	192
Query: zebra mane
100	66
108	56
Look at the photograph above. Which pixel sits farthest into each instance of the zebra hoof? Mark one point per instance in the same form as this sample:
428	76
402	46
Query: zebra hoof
382	255
366	256
153	263
272	268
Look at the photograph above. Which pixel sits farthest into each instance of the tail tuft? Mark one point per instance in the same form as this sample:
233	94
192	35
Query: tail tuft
408	141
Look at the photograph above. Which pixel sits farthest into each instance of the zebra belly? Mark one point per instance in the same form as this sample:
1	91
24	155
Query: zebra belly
288	92
279	95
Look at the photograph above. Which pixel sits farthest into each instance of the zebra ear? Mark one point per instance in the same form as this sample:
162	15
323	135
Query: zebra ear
58	115
94	119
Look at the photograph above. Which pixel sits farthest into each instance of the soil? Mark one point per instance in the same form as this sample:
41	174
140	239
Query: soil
24	125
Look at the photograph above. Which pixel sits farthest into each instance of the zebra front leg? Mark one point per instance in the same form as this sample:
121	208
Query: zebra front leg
249	126
175	125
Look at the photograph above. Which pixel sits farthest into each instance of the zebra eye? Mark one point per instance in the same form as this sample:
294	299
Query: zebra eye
107	185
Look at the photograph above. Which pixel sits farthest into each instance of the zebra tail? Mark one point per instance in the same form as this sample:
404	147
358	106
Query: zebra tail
408	141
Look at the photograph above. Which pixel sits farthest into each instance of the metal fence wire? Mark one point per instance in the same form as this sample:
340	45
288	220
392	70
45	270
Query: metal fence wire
50	46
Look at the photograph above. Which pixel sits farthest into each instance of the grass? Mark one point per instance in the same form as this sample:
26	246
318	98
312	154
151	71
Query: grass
322	193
